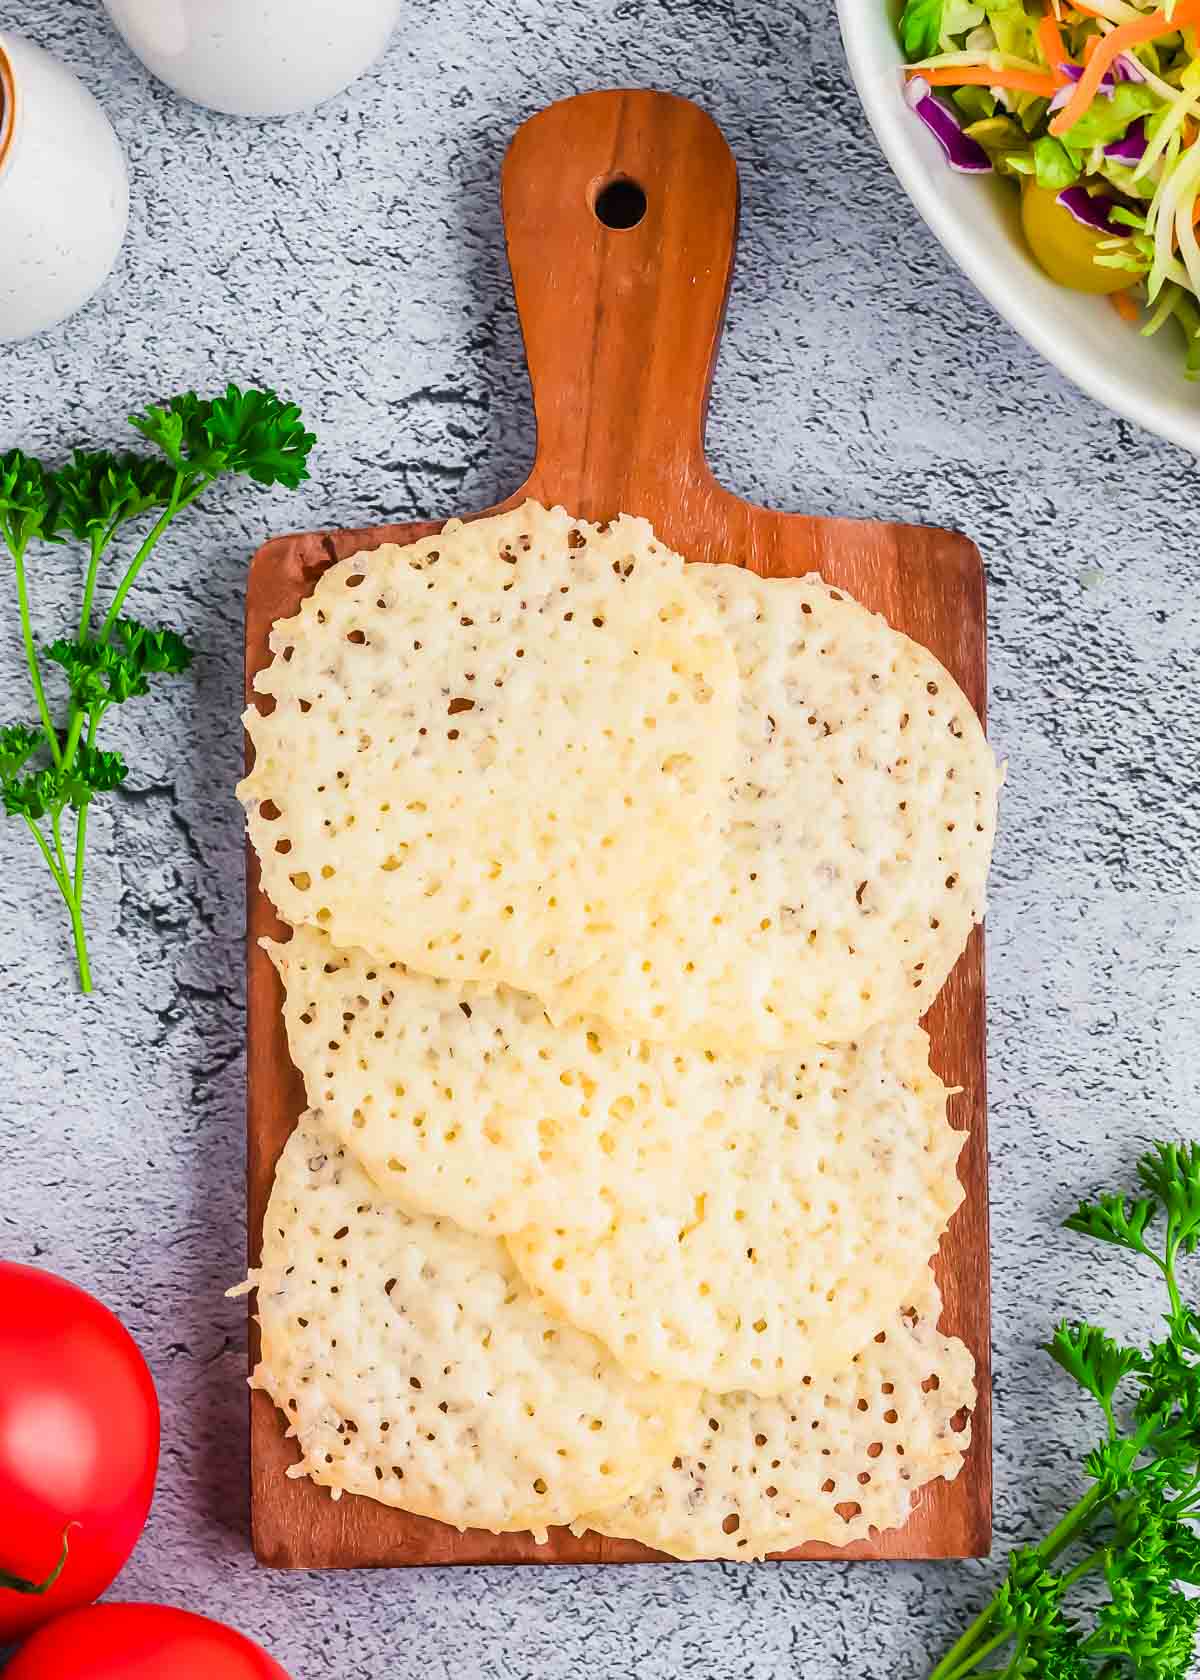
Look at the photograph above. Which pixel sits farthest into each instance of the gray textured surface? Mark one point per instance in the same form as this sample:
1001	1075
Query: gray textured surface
354	258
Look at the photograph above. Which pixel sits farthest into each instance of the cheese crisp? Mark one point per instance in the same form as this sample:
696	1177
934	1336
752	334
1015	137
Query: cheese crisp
857	836
800	1200
413	1366
488	752
830	1461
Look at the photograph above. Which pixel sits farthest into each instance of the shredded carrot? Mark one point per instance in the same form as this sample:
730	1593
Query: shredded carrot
1090	48
1053	49
1187	131
982	75
1111	48
1124	305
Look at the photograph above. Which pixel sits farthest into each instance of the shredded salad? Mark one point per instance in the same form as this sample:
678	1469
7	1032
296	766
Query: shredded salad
1093	110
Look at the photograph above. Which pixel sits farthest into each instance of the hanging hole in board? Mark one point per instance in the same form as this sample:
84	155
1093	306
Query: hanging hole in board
619	202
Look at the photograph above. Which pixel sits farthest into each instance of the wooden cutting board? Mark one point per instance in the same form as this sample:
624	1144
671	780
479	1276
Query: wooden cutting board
621	325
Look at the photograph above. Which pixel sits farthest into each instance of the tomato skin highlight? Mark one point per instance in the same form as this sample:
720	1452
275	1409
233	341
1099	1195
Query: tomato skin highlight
79	1439
140	1642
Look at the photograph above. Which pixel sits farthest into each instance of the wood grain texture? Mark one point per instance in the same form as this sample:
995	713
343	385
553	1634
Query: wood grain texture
621	329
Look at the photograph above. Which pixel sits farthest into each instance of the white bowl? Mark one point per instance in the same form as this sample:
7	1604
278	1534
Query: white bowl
256	58
977	220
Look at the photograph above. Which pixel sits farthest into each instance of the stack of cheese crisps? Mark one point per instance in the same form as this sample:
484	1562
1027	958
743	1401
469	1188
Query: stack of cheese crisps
618	886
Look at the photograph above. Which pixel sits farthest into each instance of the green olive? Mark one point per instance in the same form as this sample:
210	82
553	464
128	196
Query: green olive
1064	247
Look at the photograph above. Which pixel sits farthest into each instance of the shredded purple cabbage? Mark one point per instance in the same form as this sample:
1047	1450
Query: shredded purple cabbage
1091	212
962	153
1127	68
1132	144
1073	72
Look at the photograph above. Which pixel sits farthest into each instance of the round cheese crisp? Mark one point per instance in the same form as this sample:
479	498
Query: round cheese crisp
467	1103
414	1367
831	1461
858	833
486	753
800	1204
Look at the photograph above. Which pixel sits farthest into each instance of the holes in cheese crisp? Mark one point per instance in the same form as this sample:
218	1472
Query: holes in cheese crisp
283	846
269	811
731	1523
301	880
848	1510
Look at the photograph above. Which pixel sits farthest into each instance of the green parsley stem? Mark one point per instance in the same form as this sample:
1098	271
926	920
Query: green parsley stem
56	830
63	883
31	658
1059	1538
100	541
47	854
1094	1561
976	1657
176	504
81	822
79	935
1172	1285
74	908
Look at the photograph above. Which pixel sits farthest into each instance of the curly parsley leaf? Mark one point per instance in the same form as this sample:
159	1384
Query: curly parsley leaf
249	432
90	498
1114	1219
1147	1622
97	771
98	490
1134	1526
176	427
261	436
1096	1362
1171	1172
105	673
1061	1657
48	792
18	743
28	503
1032	1595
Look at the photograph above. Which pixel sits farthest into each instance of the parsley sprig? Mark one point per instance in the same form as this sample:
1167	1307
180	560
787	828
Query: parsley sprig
49	769
1132	1530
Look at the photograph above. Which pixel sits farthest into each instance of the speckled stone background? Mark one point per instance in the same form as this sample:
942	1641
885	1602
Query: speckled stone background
354	259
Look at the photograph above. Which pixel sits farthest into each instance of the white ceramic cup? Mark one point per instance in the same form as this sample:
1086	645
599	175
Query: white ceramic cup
256	58
64	191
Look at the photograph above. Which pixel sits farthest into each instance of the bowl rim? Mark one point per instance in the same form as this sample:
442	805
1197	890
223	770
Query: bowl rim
1090	376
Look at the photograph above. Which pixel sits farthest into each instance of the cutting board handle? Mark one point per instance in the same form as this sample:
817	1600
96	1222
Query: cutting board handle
620	212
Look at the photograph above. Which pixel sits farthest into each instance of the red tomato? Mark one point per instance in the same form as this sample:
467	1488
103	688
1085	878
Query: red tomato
78	1444
140	1642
